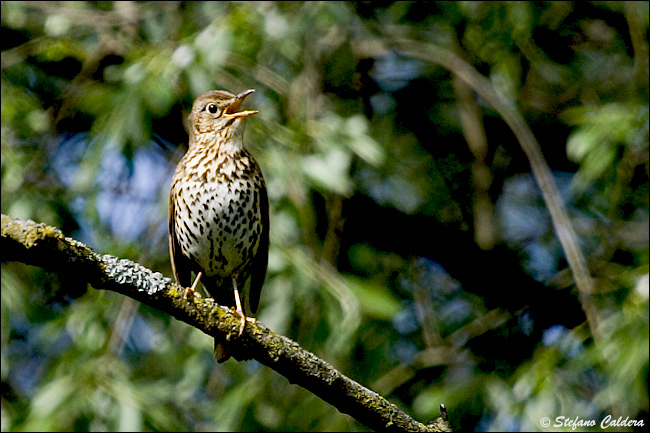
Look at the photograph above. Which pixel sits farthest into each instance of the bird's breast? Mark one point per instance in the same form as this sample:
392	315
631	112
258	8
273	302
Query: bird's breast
218	219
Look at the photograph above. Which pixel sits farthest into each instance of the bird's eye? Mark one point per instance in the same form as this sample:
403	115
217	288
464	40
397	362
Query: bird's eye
212	108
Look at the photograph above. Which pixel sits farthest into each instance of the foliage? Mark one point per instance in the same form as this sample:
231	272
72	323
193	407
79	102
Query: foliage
378	189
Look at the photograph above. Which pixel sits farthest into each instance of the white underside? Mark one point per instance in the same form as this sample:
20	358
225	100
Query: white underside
217	197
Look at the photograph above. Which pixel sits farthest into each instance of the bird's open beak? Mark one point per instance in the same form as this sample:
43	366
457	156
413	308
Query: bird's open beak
233	109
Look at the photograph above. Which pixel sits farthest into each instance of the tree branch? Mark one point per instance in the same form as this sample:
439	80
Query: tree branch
44	246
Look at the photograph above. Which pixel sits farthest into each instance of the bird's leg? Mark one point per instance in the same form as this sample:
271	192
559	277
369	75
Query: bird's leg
240	309
194	285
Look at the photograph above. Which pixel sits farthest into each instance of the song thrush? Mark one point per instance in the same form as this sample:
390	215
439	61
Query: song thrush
218	209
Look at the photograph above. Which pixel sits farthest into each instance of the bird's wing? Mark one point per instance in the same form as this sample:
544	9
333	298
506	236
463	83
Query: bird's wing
181	266
261	260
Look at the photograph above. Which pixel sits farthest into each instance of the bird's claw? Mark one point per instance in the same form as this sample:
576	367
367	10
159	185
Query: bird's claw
194	286
244	319
188	290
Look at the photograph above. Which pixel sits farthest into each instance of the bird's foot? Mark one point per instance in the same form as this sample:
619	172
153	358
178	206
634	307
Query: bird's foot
192	289
188	290
244	319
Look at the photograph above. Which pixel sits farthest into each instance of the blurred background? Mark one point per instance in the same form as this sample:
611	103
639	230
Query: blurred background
410	245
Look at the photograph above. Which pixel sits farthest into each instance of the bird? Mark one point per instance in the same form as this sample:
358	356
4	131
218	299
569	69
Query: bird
219	210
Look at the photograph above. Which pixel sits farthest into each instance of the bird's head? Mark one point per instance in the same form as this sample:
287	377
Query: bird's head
218	113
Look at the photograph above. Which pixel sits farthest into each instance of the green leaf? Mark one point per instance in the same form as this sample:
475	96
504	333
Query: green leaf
376	301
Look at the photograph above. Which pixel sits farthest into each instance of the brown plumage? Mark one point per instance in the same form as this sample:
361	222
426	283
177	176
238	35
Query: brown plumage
218	209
